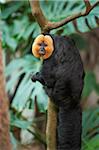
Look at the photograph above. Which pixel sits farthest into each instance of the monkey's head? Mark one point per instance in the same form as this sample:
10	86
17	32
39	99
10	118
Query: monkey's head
43	46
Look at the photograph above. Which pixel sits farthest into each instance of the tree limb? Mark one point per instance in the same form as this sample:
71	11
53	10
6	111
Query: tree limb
46	25
75	16
38	14
5	143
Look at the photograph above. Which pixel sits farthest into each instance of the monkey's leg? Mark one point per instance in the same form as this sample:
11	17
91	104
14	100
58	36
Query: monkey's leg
51	126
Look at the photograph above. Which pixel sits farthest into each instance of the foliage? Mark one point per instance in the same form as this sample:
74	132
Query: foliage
90	137
90	84
21	24
21	122
18	32
27	91
67	8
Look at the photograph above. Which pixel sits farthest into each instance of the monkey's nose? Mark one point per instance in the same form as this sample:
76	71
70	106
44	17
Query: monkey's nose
42	51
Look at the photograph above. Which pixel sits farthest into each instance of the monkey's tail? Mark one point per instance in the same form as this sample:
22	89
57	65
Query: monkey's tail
69	129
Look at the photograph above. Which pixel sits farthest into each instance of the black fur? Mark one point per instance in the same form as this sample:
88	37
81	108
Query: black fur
63	76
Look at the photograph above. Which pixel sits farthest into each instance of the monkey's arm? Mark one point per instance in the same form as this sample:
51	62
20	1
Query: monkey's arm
37	77
51	126
48	83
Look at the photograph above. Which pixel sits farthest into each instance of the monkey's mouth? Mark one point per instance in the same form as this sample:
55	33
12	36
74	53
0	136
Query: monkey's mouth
42	52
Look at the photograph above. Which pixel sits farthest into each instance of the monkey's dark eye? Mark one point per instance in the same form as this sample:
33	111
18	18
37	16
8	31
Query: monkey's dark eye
45	45
39	44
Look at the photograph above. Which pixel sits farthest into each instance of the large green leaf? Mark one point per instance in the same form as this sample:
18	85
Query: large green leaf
27	89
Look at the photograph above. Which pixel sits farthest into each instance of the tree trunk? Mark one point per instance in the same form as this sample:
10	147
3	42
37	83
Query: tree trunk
4	119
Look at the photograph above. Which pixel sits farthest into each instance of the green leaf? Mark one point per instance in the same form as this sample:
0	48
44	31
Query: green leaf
10	8
42	98
28	31
13	141
90	129
22	95
89	84
21	123
81	24
26	90
79	40
97	88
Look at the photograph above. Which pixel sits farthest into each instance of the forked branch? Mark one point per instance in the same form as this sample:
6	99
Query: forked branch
38	14
46	25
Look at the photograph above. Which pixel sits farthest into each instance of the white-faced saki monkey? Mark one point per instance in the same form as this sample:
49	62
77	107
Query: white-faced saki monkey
62	75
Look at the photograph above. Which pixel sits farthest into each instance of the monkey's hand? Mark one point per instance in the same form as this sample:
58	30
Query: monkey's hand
37	77
33	77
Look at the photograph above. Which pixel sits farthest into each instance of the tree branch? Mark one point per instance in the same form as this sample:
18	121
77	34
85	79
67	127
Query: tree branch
46	25
75	16
38	14
4	118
